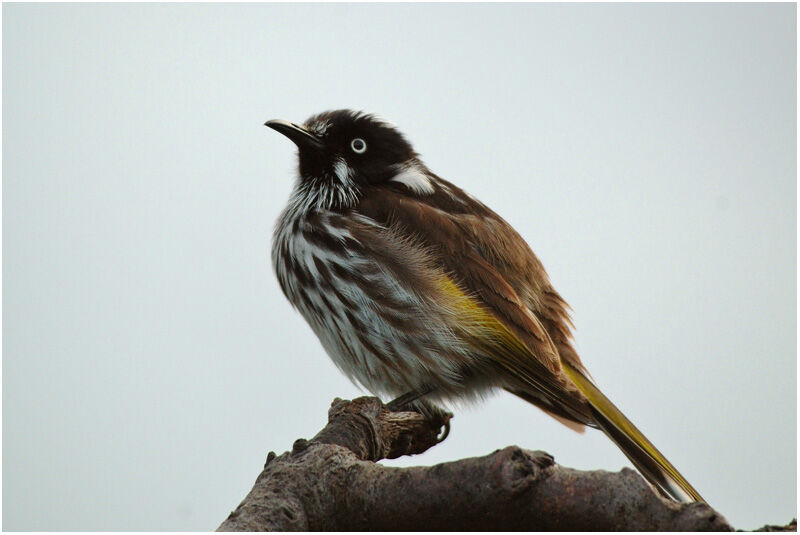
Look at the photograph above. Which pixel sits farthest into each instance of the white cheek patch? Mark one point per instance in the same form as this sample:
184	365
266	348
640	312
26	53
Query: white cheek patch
342	171
414	178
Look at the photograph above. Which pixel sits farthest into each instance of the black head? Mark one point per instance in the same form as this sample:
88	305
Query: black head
348	146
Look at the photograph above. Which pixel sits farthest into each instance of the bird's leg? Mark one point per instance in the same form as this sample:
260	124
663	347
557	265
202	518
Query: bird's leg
433	413
406	399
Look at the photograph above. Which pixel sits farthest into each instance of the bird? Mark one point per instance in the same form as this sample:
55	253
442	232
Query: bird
418	290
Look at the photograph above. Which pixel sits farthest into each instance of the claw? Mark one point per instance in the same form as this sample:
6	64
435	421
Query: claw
445	433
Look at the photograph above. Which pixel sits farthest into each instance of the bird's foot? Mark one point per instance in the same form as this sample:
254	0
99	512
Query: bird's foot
438	417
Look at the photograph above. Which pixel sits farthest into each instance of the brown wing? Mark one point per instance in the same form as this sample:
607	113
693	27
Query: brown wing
486	257
506	251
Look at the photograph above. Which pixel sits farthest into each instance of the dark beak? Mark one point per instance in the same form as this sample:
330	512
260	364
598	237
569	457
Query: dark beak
297	133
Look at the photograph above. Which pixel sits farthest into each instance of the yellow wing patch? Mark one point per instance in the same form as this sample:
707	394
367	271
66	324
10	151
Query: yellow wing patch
492	337
476	320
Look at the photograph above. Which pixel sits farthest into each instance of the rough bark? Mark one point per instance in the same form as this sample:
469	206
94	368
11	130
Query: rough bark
333	482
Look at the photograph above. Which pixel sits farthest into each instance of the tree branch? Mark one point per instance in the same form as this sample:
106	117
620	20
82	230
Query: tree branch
332	482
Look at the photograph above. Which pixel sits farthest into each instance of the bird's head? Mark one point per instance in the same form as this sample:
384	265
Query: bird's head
343	152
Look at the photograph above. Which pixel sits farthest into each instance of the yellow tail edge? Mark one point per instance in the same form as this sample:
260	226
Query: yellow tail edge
641	452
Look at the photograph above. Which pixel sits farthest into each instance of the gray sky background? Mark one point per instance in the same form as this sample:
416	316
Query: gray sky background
150	362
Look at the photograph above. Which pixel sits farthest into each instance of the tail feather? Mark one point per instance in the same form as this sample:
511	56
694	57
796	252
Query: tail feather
551	410
641	452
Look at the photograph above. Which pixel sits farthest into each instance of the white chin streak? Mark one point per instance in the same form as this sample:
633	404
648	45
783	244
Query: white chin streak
414	178
343	171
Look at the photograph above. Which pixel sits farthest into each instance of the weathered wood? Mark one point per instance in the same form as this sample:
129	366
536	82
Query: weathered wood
333	482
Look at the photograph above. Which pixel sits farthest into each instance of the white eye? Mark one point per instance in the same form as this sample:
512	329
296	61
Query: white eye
358	145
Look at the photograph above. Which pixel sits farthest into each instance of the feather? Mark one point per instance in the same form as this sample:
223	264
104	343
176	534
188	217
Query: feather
505	305
413	285
642	453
